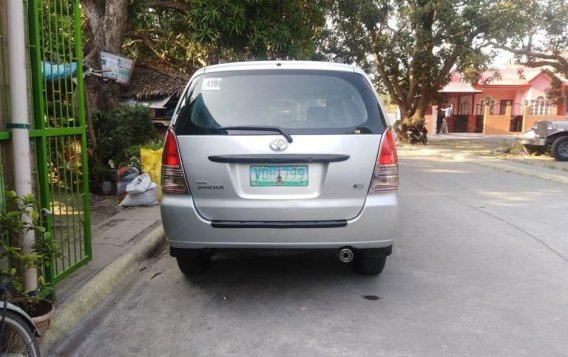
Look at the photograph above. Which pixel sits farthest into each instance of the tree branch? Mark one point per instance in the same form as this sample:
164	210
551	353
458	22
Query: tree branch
151	44
530	53
558	66
556	61
392	86
147	41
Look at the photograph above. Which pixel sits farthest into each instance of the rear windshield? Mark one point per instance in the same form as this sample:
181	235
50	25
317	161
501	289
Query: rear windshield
302	102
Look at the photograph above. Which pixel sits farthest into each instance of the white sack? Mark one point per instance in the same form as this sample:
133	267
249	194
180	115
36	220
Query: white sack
140	184
146	198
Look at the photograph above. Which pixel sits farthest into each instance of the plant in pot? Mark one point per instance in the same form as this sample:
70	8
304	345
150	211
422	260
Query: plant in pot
19	216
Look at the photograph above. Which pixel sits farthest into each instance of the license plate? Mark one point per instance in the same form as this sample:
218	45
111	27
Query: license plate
279	175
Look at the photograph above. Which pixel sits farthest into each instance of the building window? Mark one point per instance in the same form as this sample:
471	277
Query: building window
465	106
487	101
539	106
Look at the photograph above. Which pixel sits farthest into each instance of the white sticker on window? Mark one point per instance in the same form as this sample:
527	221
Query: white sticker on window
211	84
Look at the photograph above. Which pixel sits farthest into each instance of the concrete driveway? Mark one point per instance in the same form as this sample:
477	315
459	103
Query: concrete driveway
480	269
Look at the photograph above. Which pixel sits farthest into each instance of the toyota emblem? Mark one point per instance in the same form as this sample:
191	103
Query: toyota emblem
279	145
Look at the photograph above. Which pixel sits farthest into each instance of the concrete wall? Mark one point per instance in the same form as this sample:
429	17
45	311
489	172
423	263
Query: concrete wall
529	120
495	124
430	122
539	86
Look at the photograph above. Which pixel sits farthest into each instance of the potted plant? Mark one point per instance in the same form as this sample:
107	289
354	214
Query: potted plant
19	215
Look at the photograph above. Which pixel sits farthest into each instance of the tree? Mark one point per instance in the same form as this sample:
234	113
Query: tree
188	34
199	32
542	39
104	31
414	45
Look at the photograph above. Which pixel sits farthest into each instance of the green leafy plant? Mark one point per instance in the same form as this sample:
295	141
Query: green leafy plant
18	216
117	131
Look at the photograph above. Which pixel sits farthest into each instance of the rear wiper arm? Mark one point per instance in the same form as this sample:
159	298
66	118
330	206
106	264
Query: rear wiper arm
279	129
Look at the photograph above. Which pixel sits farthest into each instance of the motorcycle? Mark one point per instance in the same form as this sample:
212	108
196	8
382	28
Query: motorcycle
418	134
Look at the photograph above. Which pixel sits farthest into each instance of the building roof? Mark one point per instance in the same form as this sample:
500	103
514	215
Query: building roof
457	86
510	75
150	83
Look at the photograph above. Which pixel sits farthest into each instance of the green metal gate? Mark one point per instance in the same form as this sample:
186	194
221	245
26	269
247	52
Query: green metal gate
58	131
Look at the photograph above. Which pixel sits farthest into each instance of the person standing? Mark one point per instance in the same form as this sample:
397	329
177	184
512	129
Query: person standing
447	114
448	111
440	117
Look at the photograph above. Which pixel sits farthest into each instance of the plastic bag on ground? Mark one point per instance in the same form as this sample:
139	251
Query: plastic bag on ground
146	198
124	175
140	184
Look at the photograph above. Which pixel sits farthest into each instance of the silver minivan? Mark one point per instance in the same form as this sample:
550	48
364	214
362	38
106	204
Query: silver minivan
280	156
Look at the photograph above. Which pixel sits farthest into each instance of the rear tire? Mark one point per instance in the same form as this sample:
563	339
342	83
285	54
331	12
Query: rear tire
193	262
367	264
18	338
560	149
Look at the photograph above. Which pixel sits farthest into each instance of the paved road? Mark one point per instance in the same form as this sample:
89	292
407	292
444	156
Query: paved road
480	269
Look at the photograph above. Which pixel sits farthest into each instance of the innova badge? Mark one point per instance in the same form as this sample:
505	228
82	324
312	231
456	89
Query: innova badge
279	145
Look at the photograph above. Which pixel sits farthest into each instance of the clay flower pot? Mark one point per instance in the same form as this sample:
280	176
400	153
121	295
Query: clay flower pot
40	311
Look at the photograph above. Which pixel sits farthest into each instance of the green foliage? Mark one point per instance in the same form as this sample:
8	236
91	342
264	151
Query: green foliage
413	45
546	19
118	130
134	153
557	92
537	33
23	217
57	30
200	32
538	36
269	28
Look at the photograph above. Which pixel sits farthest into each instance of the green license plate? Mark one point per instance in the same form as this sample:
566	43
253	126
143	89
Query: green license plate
279	175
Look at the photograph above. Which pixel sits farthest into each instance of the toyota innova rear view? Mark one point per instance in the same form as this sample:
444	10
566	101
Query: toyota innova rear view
282	155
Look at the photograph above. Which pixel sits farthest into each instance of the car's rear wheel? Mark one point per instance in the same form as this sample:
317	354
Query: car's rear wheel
560	149
193	262
369	264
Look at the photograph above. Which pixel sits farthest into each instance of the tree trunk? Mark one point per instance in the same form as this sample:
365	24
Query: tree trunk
422	107
106	27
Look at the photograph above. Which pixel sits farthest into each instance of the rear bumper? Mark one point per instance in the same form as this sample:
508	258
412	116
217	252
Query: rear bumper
374	227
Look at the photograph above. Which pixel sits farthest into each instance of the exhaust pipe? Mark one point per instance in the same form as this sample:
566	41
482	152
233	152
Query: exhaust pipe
345	255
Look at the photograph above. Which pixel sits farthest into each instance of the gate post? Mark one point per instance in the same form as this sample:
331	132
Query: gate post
19	123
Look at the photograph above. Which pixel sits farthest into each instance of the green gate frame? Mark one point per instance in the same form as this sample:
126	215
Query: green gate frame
59	136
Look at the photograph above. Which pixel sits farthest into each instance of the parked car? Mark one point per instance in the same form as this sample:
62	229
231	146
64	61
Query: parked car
547	136
280	156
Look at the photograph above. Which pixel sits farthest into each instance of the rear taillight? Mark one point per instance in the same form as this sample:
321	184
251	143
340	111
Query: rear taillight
173	180
385	175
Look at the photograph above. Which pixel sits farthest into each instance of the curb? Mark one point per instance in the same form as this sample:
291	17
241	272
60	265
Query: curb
77	306
509	167
500	164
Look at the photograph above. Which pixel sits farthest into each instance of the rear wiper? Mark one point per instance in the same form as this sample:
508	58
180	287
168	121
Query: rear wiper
260	128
